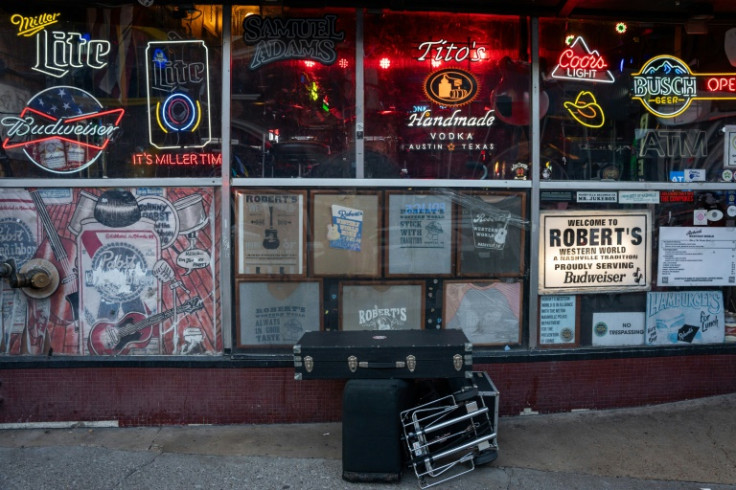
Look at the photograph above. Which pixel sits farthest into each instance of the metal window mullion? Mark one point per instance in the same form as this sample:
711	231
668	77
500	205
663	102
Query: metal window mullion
359	97
535	198
226	270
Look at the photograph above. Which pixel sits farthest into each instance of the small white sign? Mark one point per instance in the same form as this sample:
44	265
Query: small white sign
694	175
625	328
593	196
729	146
638	197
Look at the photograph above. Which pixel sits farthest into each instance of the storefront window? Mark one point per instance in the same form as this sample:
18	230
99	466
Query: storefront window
656	269
293	92
379	259
636	102
106	92
446	96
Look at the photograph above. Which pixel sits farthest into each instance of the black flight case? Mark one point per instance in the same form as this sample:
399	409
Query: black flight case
383	354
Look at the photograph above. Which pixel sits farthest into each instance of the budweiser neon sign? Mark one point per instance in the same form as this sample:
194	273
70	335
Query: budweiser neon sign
62	129
579	63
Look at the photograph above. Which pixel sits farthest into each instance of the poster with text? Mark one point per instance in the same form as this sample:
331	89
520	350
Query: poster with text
558	320
491	234
277	313
618	328
346	234
697	256
595	251
371	306
133	271
420	234
270	233
685	317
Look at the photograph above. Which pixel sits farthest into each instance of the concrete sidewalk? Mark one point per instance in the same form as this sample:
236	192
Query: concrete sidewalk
684	445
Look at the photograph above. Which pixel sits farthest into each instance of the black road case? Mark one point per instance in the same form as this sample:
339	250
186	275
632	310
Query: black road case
382	354
371	431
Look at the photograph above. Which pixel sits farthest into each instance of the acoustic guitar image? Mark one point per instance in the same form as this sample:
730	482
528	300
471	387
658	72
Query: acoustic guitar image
134	330
271	237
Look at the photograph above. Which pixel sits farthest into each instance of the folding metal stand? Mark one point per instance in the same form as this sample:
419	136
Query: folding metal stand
450	436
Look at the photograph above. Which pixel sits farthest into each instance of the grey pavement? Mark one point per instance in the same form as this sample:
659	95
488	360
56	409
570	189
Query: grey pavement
683	445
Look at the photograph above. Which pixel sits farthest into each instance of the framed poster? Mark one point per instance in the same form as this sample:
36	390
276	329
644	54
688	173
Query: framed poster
685	317
382	306
489	312
697	256
277	313
420	234
346	234
270	233
492	233
558	321
595	251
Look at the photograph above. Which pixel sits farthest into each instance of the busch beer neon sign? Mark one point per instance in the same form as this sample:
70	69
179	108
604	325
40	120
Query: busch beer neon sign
666	86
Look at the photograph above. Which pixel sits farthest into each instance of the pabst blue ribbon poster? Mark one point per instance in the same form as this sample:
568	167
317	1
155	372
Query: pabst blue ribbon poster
132	271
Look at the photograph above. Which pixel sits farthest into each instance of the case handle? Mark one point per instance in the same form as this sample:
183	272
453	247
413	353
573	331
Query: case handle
410	363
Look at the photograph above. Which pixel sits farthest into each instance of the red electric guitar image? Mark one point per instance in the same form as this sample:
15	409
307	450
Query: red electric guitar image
133	330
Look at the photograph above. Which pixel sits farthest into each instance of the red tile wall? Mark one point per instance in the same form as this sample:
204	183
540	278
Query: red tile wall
161	396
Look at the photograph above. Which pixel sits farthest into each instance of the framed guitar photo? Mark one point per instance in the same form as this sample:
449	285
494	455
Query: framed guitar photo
270	233
346	234
492	234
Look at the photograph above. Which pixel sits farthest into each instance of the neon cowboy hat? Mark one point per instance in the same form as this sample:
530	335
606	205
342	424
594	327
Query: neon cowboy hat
586	110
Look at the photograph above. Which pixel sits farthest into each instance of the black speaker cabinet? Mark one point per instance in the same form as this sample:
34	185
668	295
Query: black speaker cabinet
372	450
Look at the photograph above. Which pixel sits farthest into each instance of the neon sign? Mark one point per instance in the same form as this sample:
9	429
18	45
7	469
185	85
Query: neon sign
28	26
57	52
177	74
673	143
450	52
178	113
579	63
277	39
175	159
586	111
451	87
62	129
666	86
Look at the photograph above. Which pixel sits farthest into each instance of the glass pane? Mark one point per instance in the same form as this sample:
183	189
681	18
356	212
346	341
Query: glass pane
635	102
446	96
111	92
293	92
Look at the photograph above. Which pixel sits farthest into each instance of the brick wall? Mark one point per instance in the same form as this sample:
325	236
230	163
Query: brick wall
222	395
